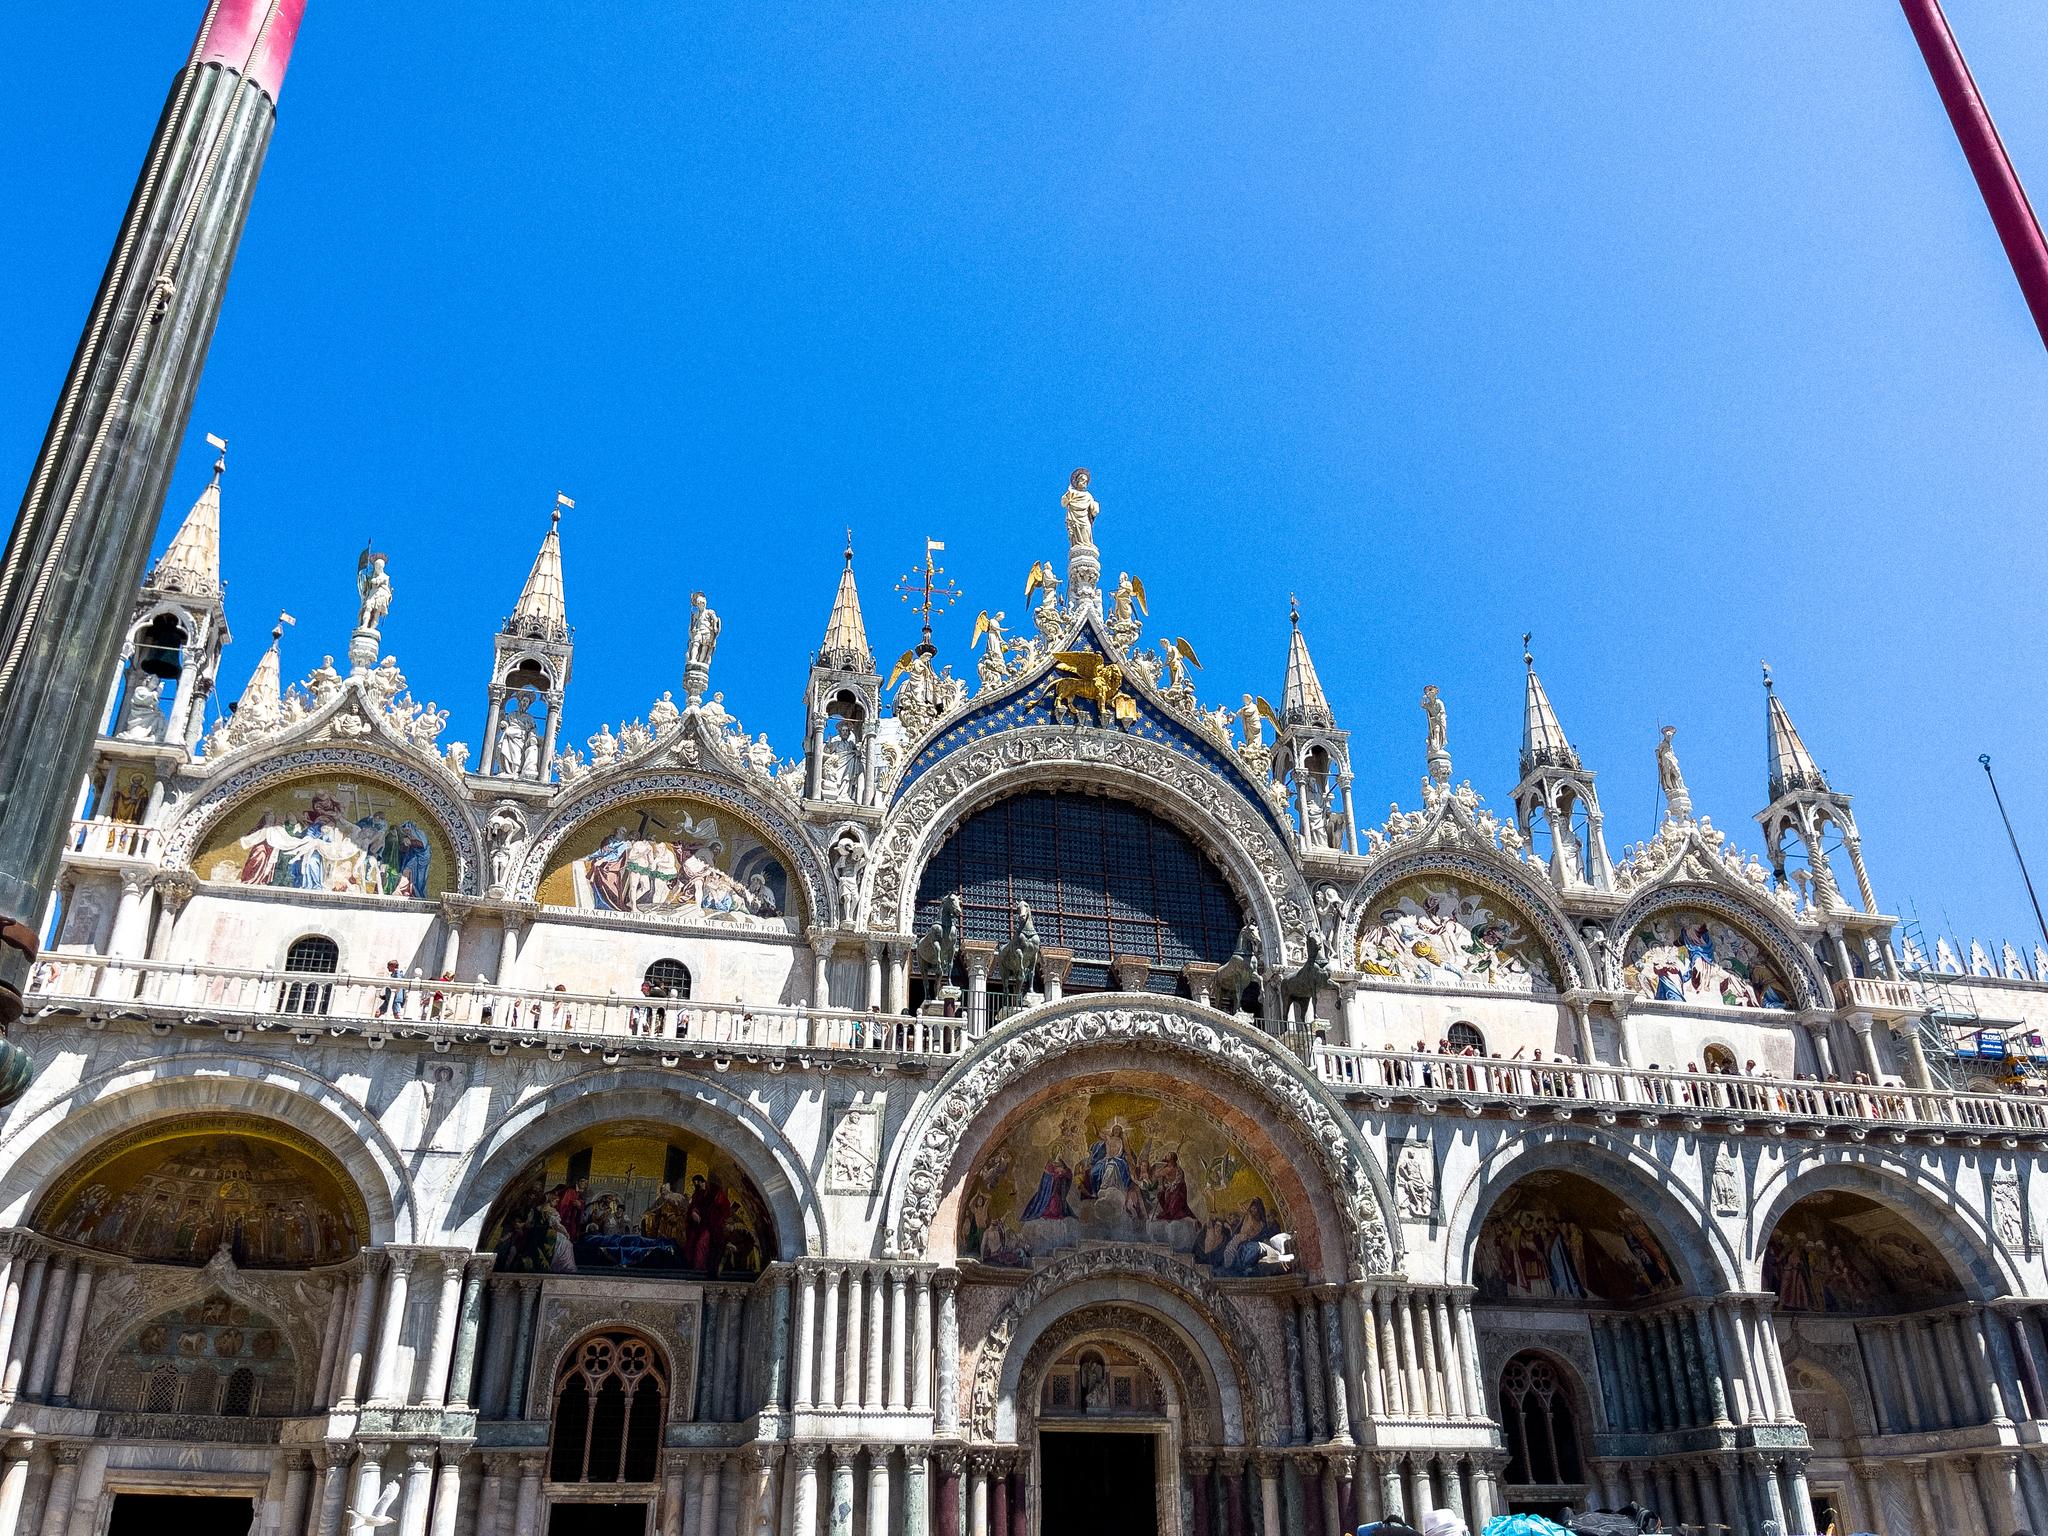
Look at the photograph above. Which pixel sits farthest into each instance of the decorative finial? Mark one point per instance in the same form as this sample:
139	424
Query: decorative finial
277	630
925	593
1767	677
1293	611
220	464
1528	656
849	546
562	504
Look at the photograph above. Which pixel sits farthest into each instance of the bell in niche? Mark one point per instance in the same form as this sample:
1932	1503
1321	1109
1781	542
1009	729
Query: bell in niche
159	648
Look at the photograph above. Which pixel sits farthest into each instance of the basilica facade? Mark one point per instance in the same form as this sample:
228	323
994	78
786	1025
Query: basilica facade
1044	1104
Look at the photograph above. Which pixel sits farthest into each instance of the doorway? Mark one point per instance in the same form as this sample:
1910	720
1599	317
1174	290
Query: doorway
151	1514
1098	1482
597	1520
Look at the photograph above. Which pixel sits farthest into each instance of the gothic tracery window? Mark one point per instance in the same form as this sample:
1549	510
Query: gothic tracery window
1104	879
609	1412
1542	1428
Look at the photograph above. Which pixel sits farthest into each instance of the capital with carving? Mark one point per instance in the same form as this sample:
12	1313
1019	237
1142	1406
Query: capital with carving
804	1457
403	1260
174	888
67	1454
136	878
419	1455
951	1458
1266	1463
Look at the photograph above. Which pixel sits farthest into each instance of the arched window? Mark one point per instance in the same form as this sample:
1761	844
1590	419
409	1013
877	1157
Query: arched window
609	1412
160	1391
667	978
1542	1430
1462	1034
313	955
1720	1059
1104	879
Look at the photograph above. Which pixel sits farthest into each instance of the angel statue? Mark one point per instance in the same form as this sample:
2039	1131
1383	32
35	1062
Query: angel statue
1126	603
1082	510
1256	754
373	586
917	699
1047	615
994	665
1438	737
1179	656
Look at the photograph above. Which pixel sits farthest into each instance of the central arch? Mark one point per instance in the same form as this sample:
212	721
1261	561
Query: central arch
961	1117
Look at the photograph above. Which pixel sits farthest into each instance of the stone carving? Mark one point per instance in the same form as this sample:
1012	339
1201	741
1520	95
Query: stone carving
373	587
704	627
855	1150
1255	860
849	856
1415	1182
2009	1215
1082	509
1123	1324
662	715
975	1084
1727	1182
1437	734
507	831
1126	603
518	739
1234	1332
1677	798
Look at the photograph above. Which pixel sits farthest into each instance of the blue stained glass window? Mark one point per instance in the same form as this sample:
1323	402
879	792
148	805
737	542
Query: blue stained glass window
1104	878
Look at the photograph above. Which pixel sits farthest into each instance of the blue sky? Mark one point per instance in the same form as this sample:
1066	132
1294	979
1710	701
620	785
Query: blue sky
1677	334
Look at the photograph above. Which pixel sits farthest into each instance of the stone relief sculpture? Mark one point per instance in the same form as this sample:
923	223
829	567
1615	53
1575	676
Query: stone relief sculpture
1415	1182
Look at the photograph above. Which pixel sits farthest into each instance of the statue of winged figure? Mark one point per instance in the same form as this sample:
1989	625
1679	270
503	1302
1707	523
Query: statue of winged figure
1048	615
994	664
1094	680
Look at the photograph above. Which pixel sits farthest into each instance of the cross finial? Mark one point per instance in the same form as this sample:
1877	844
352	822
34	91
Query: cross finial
1528	656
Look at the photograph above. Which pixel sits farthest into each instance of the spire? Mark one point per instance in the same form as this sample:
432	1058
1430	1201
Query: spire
262	700
1301	701
542	611
846	634
1792	766
191	562
1543	740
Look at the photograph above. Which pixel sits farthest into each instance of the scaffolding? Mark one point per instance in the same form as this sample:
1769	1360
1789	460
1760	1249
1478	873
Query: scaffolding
1950	1031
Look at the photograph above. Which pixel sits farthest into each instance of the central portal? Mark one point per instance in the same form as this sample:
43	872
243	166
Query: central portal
1098	1481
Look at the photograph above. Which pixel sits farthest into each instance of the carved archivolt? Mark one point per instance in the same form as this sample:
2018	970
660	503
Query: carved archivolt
1792	958
128	1296
1024	1050
779	831
428	786
1253	855
1123	1323
1233	1331
1490	874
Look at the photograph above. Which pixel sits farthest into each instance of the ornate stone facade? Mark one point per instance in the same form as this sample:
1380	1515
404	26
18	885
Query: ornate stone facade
677	1073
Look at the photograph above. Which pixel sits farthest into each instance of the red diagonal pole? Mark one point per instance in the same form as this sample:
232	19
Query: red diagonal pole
1996	179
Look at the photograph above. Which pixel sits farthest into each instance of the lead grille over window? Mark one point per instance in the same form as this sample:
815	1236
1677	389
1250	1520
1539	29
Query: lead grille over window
1104	878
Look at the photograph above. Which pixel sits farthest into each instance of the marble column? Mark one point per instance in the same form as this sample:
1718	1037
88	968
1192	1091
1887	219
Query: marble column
675	1472
999	1497
1315	1375
821	970
1333	1499
1297	1408
49	1330
63	1488
977	1494
878	1486
1802	1496
1362	1351
1390	1373
873	952
1337	1363
1774	1496
14	1252
441	1345
946	1505
1413	1389
877	1284
828	1338
1447	1354
920	1362
26	1322
448	1490
1734	1389
1393	1496
856	1336
803	1459
369	1474
1905	1372
74	1331
1468	1353
385	1386
1233	1519
526	1515
1267	1466
1923	1492
419	1490
947	1409
330	1491
1998	1478
806	1336
13	1483
476	1272
917	1512
710	1490
1992	1383
758	1507
1454	1489
1870	1494
1964	1384
899	1340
